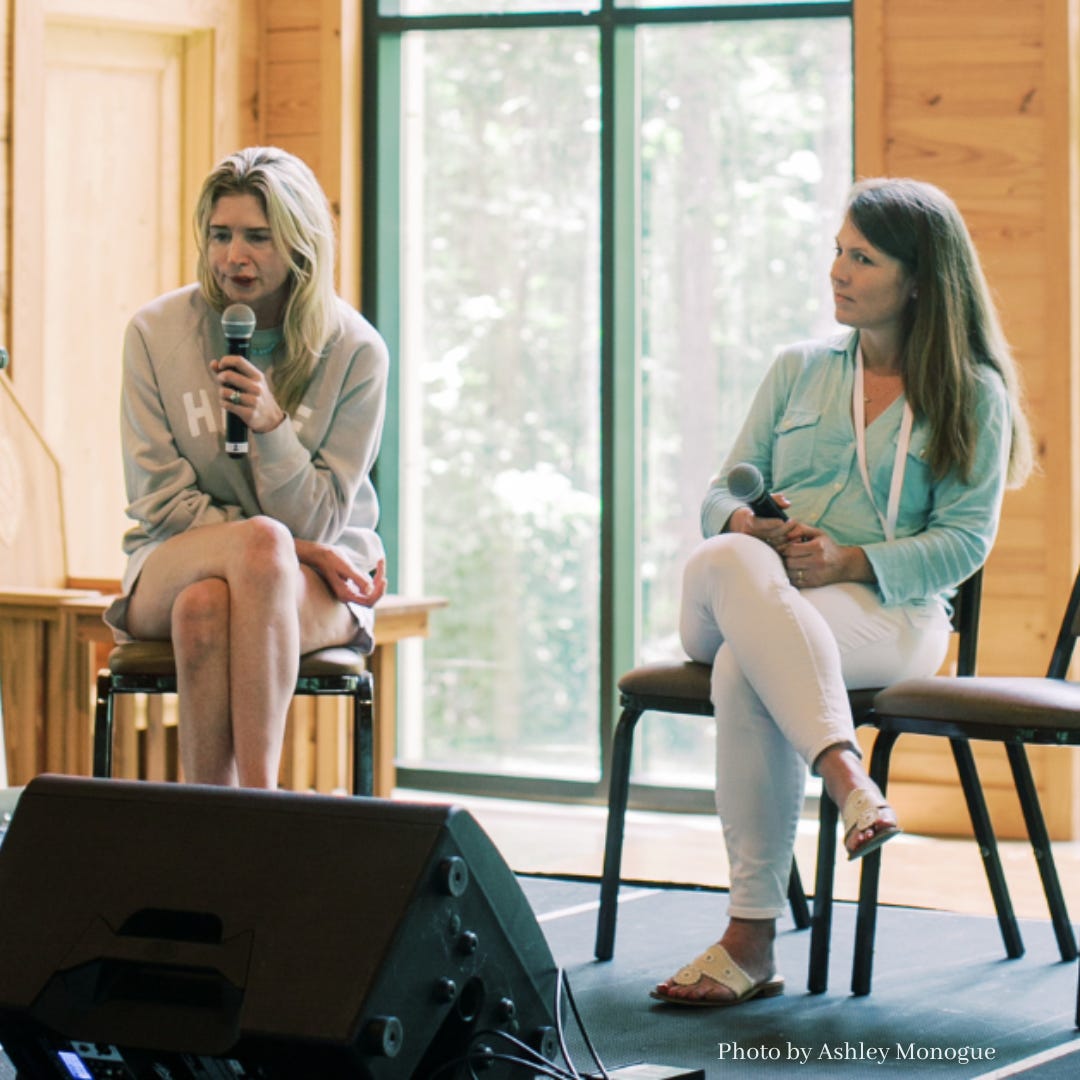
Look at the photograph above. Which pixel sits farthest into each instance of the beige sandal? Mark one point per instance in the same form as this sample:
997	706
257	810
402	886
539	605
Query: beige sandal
863	811
717	964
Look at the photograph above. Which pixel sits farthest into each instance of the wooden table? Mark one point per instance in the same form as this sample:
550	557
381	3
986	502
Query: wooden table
41	677
53	642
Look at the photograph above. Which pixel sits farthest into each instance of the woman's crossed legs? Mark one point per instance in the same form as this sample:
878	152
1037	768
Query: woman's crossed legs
240	610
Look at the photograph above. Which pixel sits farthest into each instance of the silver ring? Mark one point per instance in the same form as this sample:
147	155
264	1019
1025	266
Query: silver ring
235	397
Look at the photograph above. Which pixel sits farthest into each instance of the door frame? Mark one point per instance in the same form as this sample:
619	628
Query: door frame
211	33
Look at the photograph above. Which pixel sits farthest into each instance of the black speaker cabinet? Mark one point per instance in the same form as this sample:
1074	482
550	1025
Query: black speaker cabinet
172	931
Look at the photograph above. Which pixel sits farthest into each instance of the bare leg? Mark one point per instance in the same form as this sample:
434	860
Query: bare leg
237	662
200	626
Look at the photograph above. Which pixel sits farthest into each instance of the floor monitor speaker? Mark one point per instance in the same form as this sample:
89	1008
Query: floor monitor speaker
179	931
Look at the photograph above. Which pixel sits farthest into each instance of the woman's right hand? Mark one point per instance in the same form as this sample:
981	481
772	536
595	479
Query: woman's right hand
771	531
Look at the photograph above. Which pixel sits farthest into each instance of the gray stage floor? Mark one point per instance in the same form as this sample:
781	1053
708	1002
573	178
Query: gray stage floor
945	1001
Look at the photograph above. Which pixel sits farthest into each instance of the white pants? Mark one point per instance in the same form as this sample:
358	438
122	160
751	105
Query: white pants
783	660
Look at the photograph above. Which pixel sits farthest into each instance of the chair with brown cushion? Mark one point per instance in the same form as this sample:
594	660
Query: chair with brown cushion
149	667
1015	712
676	687
684	687
965	624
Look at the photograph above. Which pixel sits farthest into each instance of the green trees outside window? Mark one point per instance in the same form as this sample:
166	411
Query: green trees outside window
586	235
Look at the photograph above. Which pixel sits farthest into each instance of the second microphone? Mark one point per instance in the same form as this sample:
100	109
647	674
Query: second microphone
745	482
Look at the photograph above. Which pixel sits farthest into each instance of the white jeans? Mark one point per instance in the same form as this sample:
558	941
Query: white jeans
783	660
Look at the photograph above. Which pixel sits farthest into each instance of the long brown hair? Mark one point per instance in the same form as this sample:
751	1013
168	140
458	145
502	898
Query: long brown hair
951	323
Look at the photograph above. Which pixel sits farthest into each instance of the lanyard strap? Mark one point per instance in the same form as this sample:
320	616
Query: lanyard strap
903	441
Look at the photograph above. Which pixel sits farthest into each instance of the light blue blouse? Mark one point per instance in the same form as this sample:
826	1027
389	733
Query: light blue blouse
800	434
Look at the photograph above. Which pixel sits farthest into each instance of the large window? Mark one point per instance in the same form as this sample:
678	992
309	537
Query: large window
586	234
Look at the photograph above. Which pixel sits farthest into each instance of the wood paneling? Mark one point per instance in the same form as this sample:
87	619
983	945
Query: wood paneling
310	88
978	96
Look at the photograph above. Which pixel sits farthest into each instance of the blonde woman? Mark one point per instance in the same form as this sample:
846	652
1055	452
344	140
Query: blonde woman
245	563
892	445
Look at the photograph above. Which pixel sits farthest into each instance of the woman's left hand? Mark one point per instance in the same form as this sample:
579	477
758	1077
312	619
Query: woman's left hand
344	580
246	393
813	558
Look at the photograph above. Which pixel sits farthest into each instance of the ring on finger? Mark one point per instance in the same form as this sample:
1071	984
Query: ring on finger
236	397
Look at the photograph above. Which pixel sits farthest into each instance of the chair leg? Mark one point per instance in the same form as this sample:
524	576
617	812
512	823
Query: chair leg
987	841
1040	844
866	914
618	795
103	726
800	910
821	932
363	764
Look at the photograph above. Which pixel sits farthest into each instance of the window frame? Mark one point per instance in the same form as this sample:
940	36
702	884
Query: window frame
619	304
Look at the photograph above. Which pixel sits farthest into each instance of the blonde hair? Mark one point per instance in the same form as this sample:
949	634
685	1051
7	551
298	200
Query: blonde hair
951	324
302	229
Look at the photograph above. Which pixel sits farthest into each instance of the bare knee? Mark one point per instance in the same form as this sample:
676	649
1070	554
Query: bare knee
200	619
264	557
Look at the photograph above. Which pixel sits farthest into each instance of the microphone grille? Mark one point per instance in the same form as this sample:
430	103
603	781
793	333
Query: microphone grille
746	482
238	321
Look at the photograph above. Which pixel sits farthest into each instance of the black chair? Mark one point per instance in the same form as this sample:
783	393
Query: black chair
965	623
684	687
149	667
1013	711
676	687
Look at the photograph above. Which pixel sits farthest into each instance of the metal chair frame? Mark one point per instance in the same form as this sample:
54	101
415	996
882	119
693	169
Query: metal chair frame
635	704
891	723
965	620
327	672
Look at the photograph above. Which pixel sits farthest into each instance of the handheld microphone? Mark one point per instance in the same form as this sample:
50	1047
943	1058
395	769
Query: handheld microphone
238	324
745	482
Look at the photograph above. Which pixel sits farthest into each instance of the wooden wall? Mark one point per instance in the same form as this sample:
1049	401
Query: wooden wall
308	85
979	96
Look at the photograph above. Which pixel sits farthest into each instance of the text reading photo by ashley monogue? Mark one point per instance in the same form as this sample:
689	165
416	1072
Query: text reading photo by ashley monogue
800	1053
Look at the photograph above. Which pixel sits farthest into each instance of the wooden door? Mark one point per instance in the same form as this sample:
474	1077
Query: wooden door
119	109
113	228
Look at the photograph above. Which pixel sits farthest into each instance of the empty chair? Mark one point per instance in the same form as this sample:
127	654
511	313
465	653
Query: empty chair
1015	712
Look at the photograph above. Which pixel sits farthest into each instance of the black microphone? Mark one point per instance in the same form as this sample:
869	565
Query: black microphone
745	482
238	324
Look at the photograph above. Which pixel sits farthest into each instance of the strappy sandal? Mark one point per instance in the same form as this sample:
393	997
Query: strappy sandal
717	964
863	811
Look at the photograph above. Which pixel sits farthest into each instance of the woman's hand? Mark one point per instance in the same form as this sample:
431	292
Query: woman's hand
813	558
256	406
772	531
343	579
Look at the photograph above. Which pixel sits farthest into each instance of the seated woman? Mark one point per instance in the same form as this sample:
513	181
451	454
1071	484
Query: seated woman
247	562
892	444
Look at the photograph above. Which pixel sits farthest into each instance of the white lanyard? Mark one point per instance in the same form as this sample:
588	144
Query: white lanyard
903	441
